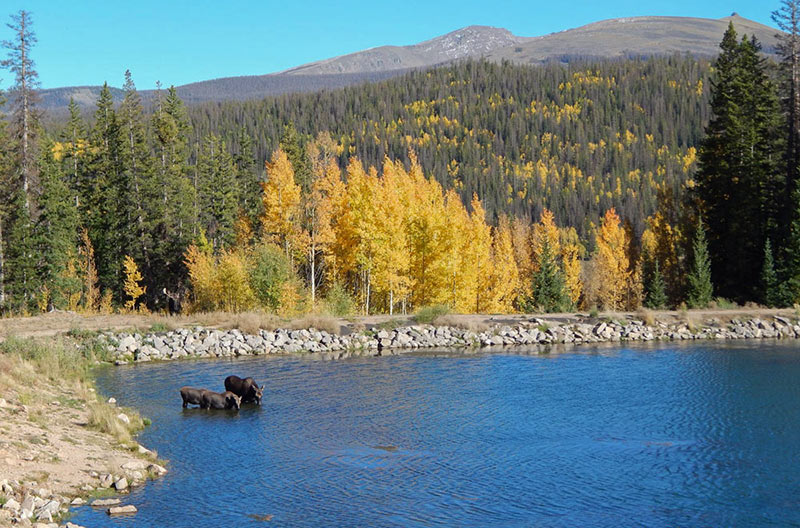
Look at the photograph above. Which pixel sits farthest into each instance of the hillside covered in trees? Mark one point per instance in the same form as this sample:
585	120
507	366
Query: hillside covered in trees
484	187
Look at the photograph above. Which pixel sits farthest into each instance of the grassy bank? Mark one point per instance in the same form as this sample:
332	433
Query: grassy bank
58	437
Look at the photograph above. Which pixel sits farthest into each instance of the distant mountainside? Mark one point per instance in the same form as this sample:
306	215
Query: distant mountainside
621	37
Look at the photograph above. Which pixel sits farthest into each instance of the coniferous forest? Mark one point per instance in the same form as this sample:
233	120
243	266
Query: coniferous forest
481	186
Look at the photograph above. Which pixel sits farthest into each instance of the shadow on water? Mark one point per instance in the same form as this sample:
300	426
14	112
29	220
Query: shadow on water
658	435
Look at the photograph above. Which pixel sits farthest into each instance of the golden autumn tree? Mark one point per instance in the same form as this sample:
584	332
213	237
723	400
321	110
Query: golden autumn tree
521	240
481	256
612	269
362	194
392	257
427	231
133	288
202	276
505	275
462	274
571	252
281	221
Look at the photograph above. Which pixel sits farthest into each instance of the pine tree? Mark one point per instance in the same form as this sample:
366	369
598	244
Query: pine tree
217	192
655	288
25	117
549	289
56	233
787	18
739	167
769	279
22	283
700	290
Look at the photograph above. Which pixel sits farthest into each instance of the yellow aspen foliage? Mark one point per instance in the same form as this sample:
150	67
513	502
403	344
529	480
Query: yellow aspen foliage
662	241
612	275
105	306
521	240
91	291
571	253
427	233
392	258
505	275
232	285
244	231
281	198
481	257
336	237
133	288
461	274
43	298
362	188
202	276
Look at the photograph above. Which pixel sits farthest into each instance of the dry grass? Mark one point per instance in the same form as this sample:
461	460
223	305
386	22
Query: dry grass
454	321
322	323
646	315
104	418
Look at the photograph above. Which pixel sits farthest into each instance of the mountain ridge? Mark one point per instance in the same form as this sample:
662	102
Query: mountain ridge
611	38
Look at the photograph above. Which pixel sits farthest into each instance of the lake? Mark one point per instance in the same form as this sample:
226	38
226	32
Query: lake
658	436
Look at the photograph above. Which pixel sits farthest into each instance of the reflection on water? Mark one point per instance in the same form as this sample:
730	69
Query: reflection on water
704	435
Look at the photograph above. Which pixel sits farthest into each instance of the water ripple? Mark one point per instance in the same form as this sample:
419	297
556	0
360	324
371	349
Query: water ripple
631	436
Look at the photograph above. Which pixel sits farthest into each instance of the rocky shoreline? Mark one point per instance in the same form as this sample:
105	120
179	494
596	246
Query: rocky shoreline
200	342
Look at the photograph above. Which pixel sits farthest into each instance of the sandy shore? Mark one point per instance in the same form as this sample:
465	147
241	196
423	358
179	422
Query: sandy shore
51	452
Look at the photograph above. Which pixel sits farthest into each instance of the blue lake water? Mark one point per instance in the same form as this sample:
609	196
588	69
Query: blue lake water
661	436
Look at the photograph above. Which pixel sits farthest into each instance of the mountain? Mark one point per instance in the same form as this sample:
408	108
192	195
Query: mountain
638	36
469	42
620	37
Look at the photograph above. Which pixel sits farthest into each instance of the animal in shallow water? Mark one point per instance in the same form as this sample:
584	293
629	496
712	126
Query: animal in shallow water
220	400
247	388
192	395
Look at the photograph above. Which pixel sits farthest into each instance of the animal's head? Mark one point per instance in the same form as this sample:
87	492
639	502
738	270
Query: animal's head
259	392
233	400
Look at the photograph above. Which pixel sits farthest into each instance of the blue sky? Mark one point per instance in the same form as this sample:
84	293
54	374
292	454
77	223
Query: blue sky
178	41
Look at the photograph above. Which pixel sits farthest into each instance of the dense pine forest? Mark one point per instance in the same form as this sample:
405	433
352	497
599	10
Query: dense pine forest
480	186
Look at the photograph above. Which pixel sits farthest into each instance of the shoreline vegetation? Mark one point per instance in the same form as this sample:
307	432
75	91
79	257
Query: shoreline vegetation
61	443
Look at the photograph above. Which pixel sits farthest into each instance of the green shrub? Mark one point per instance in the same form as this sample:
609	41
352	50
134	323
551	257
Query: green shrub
427	314
338	302
270	272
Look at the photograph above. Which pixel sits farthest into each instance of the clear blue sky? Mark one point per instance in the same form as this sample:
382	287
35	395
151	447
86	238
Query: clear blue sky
179	41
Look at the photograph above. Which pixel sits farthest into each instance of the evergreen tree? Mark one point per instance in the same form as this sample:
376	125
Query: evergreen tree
293	144
24	117
769	279
217	192
739	166
248	176
103	192
549	290
74	135
140	195
655	288
56	233
22	284
701	289
787	18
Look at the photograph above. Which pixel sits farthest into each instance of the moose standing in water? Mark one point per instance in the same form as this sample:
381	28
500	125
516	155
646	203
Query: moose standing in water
220	400
246	388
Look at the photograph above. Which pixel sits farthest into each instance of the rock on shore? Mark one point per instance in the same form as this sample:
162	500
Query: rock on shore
205	342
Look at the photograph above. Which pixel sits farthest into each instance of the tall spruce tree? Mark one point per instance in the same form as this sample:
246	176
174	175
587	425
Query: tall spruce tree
217	192
655	294
787	18
24	115
549	289
701	289
739	168
103	192
771	295
56	233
